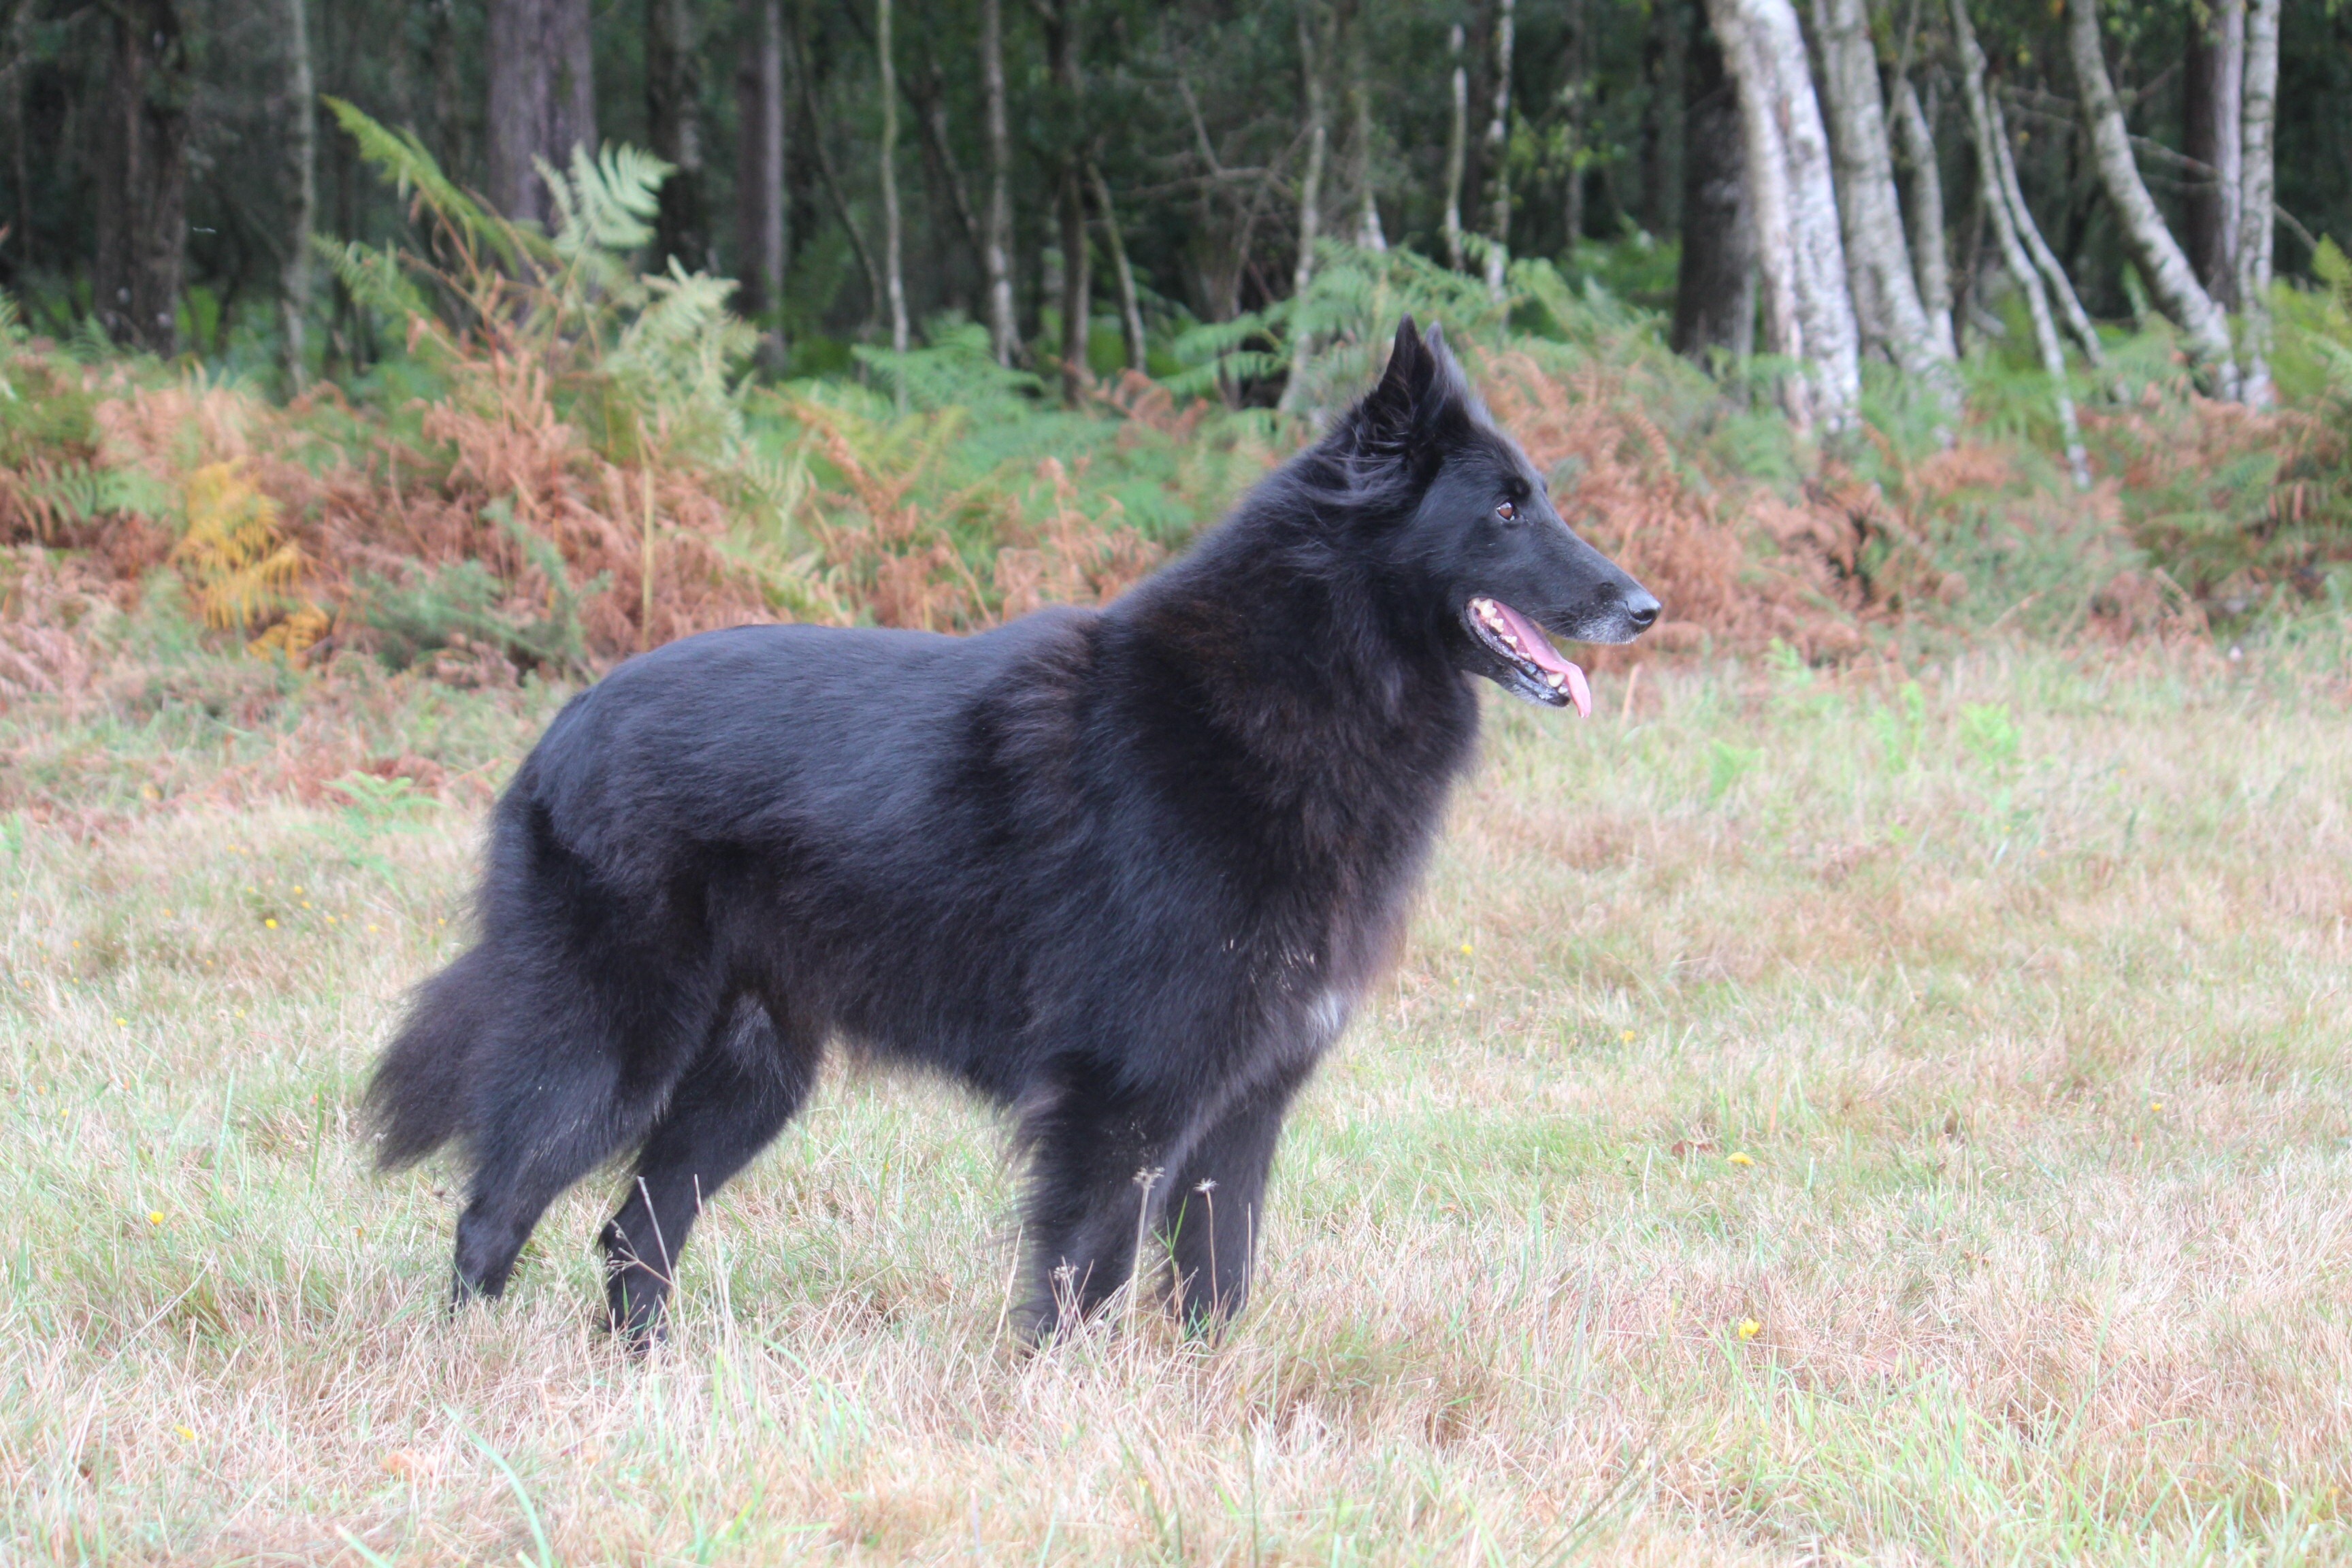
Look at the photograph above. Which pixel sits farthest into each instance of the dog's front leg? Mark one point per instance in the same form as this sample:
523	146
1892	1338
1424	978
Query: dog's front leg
1098	1186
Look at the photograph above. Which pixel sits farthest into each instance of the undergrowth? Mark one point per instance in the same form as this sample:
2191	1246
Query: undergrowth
574	460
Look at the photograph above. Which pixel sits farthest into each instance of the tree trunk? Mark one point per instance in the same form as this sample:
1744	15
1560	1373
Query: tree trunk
1130	306
301	173
1808	305
1369	232
1929	257
2204	330
827	178
1078	280
2257	224
450	143
1714	289
1456	150
542	98
1310	203
1887	309
894	274
927	93
1575	96
759	199
2213	93
673	127
1991	152
11	85
1665	65
1004	334
2053	276
1498	151
143	186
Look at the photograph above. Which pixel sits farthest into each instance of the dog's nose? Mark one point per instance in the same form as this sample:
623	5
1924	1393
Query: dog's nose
1641	608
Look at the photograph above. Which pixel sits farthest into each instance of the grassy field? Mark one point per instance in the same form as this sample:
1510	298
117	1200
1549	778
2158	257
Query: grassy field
1850	1118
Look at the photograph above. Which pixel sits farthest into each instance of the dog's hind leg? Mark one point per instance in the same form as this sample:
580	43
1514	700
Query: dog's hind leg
735	1099
1216	1201
577	1080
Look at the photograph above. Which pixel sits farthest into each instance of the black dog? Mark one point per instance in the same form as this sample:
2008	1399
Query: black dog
1124	871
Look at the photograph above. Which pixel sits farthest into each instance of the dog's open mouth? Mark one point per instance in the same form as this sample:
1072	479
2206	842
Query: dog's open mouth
1542	675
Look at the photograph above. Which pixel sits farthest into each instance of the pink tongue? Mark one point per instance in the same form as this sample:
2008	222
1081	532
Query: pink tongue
1539	651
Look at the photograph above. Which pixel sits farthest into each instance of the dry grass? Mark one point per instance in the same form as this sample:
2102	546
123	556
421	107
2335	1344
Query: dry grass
1983	1056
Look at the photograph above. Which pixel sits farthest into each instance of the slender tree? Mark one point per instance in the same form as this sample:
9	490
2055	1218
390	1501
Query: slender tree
1991	156
300	176
1808	305
674	125
1715	287
143	186
2213	85
761	120
2204	330
1930	260
1130	303
1498	151
2256	225
1003	332
1886	305
1061	18
894	277
1456	150
1310	197
1369	232
542	98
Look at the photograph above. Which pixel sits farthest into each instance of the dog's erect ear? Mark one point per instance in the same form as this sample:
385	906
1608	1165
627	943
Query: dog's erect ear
1422	380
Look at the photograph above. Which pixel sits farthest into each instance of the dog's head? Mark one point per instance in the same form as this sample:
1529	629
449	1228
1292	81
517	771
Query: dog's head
1469	539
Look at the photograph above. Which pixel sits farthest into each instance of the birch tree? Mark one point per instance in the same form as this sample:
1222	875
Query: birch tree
894	276
1808	307
1456	150
301	177
1887	310
1991	156
1369	232
997	258
1931	261
1130	305
1310	201
2204	330
1498	151
2255	223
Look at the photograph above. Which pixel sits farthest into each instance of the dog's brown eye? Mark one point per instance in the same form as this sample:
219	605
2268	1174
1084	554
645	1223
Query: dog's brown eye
1507	511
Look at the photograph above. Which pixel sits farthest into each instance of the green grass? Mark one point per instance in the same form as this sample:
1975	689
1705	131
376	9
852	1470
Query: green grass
2022	991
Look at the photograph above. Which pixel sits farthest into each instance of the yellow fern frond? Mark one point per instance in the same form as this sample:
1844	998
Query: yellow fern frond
239	568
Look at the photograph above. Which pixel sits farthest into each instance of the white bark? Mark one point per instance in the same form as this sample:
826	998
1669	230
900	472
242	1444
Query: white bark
2204	330
1991	157
302	193
1809	308
1311	202
1131	308
1003	333
2053	276
1930	257
1498	152
2255	225
1887	308
1369	232
1456	150
894	274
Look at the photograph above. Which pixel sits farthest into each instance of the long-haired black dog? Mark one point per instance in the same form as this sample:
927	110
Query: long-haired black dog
1124	871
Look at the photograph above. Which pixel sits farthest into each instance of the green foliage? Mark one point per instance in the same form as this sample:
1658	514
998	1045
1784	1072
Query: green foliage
431	608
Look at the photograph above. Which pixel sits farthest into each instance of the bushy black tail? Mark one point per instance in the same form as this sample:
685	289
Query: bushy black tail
418	1098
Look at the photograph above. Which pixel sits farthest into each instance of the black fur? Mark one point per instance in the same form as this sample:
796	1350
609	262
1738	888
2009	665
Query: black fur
1124	871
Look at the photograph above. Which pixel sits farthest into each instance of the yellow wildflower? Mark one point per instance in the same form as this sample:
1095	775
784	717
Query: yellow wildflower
187	1434
1740	1159
271	923
154	1217
1466	949
1749	1328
